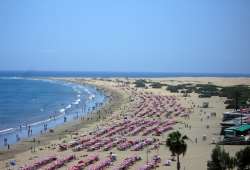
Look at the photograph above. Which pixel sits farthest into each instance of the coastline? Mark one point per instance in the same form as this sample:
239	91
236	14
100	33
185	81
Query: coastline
70	102
62	130
198	153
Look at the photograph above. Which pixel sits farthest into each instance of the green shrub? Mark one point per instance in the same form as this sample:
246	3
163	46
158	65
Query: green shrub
140	83
156	85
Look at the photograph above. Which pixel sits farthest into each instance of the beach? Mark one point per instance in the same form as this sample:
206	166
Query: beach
135	111
31	106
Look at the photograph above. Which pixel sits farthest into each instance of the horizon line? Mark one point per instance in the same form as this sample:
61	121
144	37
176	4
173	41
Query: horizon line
110	71
119	73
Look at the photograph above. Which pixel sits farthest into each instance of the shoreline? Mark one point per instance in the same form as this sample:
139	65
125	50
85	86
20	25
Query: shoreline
136	105
59	131
91	98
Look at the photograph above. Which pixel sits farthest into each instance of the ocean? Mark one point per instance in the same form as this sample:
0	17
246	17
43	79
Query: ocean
106	74
31	102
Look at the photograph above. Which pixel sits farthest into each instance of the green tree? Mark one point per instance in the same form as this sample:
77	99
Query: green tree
176	143
220	160
243	159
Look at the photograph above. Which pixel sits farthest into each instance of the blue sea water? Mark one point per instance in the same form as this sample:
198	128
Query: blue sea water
114	74
27	101
34	102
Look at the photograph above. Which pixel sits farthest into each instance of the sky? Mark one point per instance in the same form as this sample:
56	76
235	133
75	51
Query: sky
208	36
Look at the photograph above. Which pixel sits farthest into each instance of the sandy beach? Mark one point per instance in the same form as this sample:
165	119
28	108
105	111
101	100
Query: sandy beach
135	111
124	85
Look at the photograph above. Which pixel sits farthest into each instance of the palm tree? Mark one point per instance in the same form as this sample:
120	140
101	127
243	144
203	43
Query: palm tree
177	145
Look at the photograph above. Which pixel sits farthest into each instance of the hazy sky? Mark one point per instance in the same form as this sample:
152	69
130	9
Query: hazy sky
129	35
